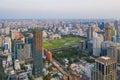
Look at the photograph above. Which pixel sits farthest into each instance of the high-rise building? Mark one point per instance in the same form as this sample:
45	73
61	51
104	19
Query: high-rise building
105	69
118	38
90	32
82	45
7	30
14	33
1	41
114	52
37	53
90	46
108	36
118	55
24	52
3	25
101	25
113	31
8	41
6	49
29	40
17	65
105	45
17	46
111	51
97	41
116	24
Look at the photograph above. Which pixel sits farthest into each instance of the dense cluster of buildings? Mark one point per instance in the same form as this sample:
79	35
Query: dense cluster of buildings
22	55
105	47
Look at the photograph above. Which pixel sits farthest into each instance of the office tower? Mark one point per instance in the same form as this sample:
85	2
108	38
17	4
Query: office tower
108	36
17	65
90	46
18	44
6	49
14	33
105	69
90	32
37	53
3	25
9	60
101	25
97	41
96	46
118	28
24	52
2	66
114	52
1	41
8	41
105	45
111	51
7	30
20	36
27	50
29	40
114	39
113	31
82	45
116	24
118	38
118	55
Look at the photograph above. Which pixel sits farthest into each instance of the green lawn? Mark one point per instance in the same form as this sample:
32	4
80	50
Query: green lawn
69	41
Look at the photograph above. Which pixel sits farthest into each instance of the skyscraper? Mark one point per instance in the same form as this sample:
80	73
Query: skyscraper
97	41
116	24
113	31
3	25
111	51
118	38
7	30
118	55
108	36
1	41
90	32
101	25
37	53
114	52
105	69
8	41
29	40
24	52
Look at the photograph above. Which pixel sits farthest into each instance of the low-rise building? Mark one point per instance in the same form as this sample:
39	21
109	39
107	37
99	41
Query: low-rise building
48	55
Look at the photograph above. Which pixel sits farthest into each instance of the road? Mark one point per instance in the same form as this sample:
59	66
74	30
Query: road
60	67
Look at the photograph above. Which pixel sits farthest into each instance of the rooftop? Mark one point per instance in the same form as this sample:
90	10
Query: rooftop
106	60
37	30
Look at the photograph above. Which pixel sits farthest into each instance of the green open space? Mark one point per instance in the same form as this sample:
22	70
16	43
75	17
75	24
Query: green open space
63	42
72	54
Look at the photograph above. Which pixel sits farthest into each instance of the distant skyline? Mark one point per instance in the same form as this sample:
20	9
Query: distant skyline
59	9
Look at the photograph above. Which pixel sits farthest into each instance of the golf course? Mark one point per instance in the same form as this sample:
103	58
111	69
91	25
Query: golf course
68	41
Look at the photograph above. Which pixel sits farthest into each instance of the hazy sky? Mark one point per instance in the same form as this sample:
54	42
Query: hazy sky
59	9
